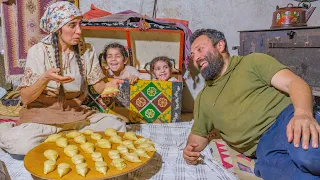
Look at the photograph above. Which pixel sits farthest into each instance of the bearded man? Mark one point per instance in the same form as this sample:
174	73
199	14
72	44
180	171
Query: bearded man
261	108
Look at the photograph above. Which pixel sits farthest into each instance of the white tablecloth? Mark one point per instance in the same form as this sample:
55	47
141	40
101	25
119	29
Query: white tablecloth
167	163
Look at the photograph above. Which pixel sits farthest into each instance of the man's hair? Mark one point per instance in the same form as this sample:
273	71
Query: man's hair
214	35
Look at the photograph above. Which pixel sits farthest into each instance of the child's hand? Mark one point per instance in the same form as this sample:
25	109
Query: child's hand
113	83
132	79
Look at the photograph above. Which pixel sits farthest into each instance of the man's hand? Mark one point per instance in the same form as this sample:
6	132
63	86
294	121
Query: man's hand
195	145
51	75
190	155
113	83
301	127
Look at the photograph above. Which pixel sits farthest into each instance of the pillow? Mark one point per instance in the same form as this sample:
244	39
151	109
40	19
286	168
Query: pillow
233	161
95	13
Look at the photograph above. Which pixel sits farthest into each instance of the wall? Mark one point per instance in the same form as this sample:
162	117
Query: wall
229	16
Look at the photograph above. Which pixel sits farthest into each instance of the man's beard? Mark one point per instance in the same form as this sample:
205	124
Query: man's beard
214	67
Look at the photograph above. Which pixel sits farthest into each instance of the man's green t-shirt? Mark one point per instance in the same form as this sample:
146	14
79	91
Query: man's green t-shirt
242	104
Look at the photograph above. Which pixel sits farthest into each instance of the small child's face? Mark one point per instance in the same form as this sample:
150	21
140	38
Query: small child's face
162	71
115	60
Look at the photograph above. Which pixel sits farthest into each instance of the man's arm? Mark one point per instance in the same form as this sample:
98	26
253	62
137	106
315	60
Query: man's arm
195	145
302	124
201	141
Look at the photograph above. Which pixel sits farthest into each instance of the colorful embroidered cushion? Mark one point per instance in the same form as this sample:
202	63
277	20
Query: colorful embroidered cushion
155	101
145	101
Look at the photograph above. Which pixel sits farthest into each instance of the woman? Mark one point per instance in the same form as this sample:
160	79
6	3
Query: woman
57	73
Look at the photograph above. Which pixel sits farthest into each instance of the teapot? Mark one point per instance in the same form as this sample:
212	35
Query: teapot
292	16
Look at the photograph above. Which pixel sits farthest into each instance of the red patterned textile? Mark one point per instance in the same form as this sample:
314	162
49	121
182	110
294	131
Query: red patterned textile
95	12
21	29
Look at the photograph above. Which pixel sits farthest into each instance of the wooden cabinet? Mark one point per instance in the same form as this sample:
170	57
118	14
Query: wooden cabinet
297	48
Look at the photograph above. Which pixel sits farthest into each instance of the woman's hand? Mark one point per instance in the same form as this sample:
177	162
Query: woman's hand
51	75
113	83
132	79
31	93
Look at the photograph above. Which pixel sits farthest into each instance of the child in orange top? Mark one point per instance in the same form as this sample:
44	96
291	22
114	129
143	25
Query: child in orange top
113	61
161	69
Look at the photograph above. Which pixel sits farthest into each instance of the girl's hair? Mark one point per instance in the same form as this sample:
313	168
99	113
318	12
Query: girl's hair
103	54
55	44
157	59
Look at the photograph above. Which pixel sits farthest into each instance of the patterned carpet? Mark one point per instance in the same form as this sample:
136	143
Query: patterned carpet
233	161
21	30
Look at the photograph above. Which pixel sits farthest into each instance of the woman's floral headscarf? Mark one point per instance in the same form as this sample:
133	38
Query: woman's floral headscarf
57	15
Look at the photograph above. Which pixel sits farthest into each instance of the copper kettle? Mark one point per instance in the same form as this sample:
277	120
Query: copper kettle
292	16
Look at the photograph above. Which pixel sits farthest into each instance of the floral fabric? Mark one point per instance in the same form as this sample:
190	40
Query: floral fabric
29	77
57	15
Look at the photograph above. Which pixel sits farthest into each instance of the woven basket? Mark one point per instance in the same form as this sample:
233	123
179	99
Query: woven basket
11	104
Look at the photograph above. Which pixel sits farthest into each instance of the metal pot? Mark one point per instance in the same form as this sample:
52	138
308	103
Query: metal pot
291	16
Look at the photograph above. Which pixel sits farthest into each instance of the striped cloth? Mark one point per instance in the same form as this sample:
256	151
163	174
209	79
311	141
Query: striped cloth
15	167
167	163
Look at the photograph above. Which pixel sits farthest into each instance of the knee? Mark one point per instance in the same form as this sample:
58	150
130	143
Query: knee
21	139
22	147
117	122
308	161
15	144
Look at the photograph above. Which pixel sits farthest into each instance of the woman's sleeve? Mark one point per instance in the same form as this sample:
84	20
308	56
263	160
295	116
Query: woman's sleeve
35	66
93	69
